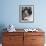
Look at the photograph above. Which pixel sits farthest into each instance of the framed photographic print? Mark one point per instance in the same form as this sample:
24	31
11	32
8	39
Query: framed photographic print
26	13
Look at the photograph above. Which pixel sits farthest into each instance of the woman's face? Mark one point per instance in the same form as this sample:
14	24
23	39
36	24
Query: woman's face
26	13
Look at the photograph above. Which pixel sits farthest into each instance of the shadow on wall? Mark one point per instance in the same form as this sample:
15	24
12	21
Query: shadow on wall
2	26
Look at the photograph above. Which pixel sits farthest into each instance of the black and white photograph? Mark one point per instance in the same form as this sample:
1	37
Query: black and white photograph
26	13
